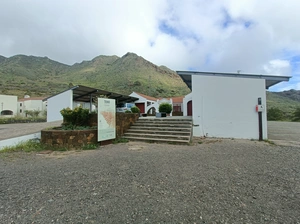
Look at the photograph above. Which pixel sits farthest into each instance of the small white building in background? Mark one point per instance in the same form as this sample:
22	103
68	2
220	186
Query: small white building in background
224	104
31	103
80	96
8	105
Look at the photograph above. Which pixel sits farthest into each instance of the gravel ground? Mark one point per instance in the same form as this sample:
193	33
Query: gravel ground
217	181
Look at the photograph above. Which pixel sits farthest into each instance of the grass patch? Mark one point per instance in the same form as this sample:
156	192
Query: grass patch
120	140
269	141
89	147
27	146
37	146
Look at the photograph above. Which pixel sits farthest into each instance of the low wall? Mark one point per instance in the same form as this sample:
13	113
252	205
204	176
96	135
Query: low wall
79	138
69	138
124	121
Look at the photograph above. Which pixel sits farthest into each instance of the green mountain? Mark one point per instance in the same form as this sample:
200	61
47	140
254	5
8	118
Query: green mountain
42	76
286	101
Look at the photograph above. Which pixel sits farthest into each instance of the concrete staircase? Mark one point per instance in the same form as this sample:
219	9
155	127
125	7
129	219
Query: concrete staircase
168	130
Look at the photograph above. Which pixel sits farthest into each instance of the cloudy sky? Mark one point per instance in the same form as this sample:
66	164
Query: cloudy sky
252	36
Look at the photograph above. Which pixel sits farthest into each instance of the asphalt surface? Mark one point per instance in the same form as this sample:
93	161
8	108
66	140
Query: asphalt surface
287	131
213	181
8	131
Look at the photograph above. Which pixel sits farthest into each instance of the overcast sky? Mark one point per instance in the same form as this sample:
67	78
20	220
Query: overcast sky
254	36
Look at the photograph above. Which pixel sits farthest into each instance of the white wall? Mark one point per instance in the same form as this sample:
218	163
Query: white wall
8	102
57	103
225	107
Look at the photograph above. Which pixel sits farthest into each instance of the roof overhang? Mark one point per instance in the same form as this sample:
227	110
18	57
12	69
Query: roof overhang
84	94
271	80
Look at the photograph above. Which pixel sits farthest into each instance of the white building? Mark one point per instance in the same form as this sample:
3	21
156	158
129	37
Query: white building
8	105
32	103
79	96
224	104
147	103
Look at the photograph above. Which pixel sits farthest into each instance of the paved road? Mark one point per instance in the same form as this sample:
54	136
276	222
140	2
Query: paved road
217	181
15	130
286	131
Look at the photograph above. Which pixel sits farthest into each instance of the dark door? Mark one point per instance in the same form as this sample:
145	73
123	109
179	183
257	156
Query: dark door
141	106
190	108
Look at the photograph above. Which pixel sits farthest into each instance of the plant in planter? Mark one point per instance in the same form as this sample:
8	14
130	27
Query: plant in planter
75	118
164	108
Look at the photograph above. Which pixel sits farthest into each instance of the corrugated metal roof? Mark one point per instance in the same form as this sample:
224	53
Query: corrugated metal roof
84	94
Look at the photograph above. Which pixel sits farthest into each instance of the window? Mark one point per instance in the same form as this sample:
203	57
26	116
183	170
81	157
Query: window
20	111
20	104
176	107
6	112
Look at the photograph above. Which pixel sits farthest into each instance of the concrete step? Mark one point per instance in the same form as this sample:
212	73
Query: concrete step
161	125
171	141
158	136
161	128
155	131
163	122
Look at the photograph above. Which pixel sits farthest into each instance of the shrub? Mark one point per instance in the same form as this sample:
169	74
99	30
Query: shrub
33	113
274	114
127	112
297	114
165	108
135	110
76	117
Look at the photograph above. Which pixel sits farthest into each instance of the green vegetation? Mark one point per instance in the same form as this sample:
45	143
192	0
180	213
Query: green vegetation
120	140
76	117
28	146
33	113
40	76
274	114
297	114
19	119
165	108
37	146
287	105
135	110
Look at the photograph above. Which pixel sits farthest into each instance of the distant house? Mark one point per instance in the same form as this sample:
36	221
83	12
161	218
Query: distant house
31	103
149	104
8	105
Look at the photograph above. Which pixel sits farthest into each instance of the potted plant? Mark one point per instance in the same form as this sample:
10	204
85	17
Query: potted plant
164	109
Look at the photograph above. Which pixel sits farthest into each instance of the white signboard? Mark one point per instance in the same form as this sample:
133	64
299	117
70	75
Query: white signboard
106	119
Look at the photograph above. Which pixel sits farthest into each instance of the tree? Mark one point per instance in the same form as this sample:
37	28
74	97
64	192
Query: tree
165	108
297	114
274	114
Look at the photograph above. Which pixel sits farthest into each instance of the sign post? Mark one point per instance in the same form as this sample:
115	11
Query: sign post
106	119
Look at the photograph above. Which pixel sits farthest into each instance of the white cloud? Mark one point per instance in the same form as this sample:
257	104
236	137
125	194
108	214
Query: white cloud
251	35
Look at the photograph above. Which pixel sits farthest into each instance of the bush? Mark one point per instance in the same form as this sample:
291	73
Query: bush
127	112
165	108
274	114
297	114
135	110
32	113
76	117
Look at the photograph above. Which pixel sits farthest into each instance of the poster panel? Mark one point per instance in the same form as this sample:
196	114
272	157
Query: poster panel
106	119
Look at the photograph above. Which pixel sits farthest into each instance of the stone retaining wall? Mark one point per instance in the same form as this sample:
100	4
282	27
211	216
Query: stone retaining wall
79	138
68	138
